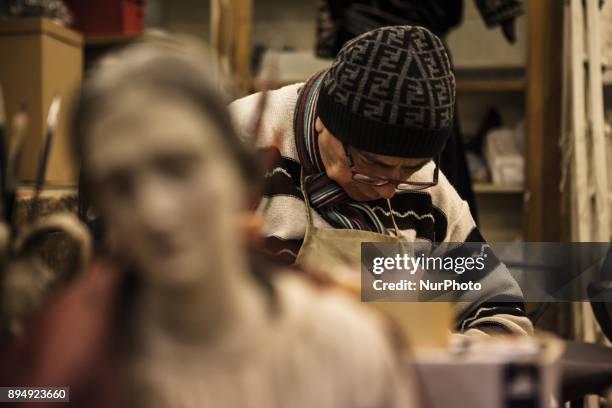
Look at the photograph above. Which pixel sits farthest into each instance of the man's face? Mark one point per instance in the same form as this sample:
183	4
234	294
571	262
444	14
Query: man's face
337	167
165	185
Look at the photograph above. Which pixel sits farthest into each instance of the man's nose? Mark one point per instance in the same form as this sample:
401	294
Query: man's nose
386	191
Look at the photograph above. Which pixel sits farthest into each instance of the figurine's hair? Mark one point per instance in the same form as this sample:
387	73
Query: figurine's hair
167	64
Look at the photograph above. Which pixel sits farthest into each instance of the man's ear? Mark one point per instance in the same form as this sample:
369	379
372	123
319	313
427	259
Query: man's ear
319	125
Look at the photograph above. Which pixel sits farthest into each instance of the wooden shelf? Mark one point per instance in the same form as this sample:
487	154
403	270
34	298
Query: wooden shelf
259	84
109	40
491	79
25	191
97	46
463	85
297	66
44	25
491	85
490	188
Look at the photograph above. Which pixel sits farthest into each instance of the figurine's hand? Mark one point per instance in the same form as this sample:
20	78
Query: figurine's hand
509	29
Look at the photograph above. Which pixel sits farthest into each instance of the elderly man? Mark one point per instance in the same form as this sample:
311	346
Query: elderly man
361	142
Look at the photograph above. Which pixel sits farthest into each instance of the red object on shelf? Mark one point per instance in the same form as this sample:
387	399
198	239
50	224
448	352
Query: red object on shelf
107	16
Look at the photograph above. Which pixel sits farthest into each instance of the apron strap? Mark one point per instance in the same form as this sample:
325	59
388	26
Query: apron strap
306	202
397	230
309	209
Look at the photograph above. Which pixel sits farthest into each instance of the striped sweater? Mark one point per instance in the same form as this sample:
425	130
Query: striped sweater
435	215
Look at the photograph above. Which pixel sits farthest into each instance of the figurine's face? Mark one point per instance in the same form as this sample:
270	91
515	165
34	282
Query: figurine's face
165	184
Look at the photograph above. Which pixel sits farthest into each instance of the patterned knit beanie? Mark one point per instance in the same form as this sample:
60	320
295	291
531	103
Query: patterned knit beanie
390	91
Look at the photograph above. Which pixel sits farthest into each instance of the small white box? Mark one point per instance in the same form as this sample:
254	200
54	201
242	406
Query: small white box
505	160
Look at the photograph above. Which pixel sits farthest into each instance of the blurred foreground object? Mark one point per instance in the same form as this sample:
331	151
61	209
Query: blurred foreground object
492	373
27	277
179	312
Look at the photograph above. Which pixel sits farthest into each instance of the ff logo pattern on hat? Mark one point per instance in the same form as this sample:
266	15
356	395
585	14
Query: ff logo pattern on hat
397	80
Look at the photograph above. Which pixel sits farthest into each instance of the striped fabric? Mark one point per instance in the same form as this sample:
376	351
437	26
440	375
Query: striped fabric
326	196
435	215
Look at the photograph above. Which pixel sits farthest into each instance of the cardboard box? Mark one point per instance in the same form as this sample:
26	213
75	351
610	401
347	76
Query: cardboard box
39	59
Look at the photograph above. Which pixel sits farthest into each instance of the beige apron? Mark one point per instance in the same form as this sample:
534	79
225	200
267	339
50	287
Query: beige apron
336	254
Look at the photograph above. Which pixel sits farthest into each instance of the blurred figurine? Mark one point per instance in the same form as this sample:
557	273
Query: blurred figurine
180	313
29	275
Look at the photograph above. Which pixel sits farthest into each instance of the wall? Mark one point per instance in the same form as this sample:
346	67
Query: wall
184	16
474	45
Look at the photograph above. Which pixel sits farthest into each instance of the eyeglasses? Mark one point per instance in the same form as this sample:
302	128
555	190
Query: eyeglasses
404	185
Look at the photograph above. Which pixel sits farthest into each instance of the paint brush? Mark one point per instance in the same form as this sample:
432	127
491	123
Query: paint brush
17	137
52	116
